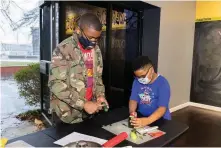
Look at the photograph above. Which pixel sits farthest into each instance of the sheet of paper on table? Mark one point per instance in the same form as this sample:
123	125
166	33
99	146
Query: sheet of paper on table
19	143
73	137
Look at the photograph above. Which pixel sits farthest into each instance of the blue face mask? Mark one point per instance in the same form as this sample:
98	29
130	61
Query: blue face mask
86	43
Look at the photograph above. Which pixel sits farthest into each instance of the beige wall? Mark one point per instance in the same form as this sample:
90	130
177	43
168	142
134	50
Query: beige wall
176	47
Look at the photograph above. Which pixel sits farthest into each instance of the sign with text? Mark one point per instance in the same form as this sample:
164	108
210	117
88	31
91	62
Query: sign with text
208	11
74	12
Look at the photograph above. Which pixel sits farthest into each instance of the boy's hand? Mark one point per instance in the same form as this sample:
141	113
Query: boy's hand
139	122
92	107
102	99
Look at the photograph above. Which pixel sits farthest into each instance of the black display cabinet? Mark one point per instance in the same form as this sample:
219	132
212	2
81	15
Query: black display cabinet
130	29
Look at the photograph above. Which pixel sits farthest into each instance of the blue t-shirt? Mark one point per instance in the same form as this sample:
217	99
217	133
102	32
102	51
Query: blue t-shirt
150	97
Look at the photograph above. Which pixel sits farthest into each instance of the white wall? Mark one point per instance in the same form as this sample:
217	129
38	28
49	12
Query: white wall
176	47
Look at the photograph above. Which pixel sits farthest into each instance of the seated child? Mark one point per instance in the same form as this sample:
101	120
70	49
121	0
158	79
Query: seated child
150	94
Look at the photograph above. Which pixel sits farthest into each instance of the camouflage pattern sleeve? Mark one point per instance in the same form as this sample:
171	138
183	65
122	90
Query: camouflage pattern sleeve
66	90
100	89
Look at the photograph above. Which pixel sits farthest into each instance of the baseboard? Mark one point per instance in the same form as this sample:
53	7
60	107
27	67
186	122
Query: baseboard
199	105
203	106
181	106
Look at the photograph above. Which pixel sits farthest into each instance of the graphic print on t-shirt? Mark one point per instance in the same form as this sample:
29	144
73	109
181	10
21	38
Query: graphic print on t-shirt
90	73
88	59
88	56
146	95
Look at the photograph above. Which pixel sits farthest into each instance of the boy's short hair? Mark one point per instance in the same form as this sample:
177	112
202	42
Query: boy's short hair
141	62
90	20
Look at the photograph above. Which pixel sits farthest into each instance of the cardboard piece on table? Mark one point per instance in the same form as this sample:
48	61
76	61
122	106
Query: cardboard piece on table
122	126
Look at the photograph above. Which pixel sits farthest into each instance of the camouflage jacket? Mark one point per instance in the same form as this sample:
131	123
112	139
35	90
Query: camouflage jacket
67	80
